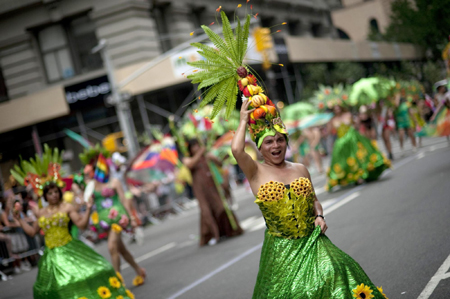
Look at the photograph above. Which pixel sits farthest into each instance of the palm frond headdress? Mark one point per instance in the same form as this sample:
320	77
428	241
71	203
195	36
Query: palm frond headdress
224	73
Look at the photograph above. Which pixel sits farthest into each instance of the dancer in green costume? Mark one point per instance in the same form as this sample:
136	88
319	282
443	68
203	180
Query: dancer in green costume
355	158
68	269
297	259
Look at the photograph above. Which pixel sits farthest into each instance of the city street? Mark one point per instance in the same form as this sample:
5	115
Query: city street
396	228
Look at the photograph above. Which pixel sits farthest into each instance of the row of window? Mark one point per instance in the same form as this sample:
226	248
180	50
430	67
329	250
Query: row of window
65	47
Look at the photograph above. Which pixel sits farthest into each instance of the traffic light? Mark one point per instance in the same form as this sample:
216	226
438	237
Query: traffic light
114	142
263	39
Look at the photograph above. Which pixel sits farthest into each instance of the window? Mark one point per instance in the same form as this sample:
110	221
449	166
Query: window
66	48
374	26
160	14
294	27
3	90
316	29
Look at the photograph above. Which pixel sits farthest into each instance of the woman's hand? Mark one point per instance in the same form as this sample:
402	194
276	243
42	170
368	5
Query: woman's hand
321	222
245	113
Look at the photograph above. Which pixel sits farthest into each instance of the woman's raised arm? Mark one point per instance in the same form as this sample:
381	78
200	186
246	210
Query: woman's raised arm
246	163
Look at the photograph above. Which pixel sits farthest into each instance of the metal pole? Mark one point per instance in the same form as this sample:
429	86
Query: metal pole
287	85
122	107
81	125
144	115
298	79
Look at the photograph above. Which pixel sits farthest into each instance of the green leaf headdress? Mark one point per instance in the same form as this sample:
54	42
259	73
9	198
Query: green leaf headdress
40	171
224	73
91	154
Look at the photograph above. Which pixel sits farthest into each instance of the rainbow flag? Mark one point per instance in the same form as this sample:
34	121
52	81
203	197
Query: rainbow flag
101	170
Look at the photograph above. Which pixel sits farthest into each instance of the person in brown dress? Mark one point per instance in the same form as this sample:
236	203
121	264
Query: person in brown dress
214	221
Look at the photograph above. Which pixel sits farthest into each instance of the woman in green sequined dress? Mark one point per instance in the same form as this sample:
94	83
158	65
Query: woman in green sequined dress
69	269
355	158
297	259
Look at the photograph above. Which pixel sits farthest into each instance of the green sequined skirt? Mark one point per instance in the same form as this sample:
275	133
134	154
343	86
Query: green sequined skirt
74	271
355	157
307	268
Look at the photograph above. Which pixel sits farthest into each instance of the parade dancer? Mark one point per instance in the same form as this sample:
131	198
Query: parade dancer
297	259
113	211
214	220
403	118
68	268
355	158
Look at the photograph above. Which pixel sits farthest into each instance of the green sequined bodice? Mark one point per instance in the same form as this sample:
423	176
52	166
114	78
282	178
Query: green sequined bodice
56	229
287	209
342	130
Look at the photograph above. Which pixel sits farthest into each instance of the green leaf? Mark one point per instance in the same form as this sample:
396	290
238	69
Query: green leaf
244	38
231	104
223	96
219	43
212	93
229	38
19	178
212	55
219	77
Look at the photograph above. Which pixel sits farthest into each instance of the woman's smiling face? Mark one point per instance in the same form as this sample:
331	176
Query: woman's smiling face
273	149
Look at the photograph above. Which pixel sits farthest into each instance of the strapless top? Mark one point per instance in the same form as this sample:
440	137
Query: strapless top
287	209
56	229
343	129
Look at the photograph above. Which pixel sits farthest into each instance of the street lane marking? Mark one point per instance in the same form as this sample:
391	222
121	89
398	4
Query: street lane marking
434	281
247	222
342	202
420	156
150	254
261	224
218	270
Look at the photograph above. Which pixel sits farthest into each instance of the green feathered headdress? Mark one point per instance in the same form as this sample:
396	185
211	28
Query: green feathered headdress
91	154
39	171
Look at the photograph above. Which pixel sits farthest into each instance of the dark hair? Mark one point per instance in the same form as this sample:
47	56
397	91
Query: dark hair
191	143
50	186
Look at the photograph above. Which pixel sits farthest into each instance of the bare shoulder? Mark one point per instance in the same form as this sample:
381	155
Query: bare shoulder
300	169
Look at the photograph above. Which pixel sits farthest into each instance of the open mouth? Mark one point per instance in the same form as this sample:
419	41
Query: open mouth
276	154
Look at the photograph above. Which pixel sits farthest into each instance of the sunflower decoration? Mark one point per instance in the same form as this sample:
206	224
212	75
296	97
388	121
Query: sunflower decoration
332	182
302	187
138	280
104	292
119	297
344	183
337	167
363	292
116	228
373	158
351	161
380	289
82	298
114	282
271	191
129	294
374	143
119	276
370	166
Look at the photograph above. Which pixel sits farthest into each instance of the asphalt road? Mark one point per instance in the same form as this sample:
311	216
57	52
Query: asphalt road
396	228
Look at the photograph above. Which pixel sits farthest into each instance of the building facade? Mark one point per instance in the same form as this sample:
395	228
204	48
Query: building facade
50	80
357	19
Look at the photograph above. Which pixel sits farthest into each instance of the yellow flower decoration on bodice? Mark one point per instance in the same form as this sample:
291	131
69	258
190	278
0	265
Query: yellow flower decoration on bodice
287	209
56	229
342	130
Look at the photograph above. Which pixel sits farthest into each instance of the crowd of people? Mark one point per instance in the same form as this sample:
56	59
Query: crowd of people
51	220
